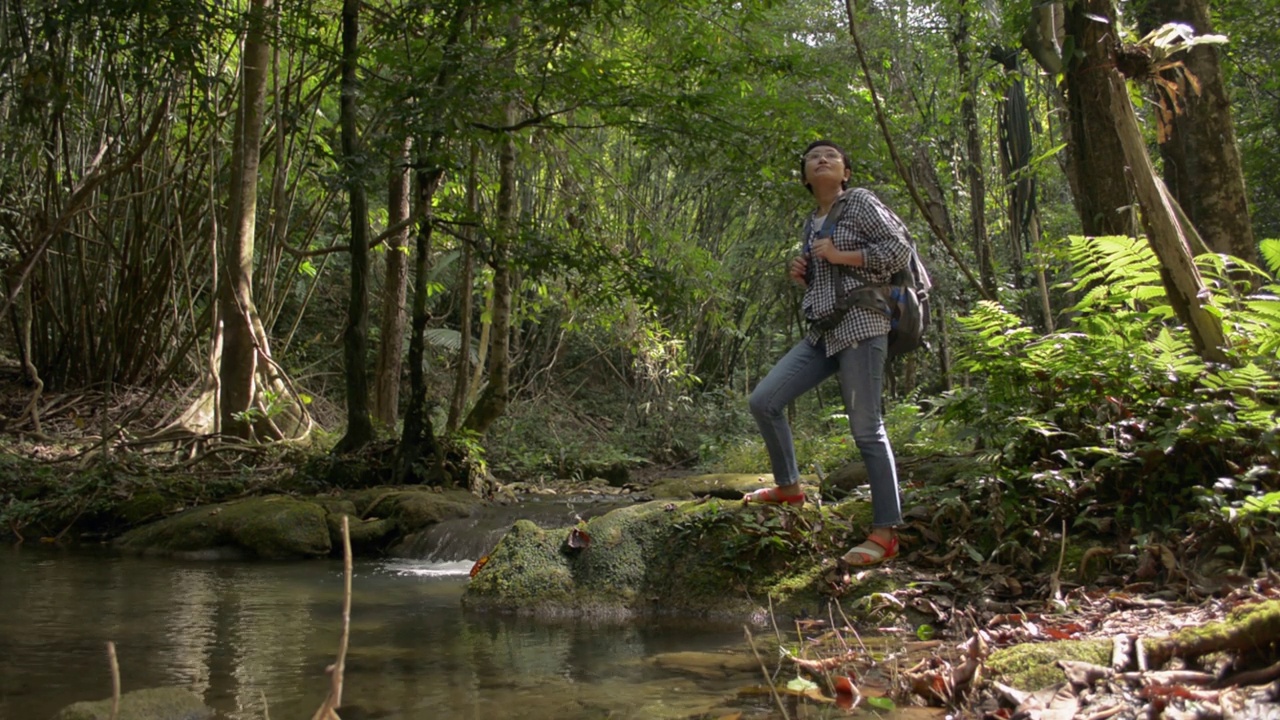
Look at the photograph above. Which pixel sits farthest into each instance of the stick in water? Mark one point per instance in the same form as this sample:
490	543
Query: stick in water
328	710
115	680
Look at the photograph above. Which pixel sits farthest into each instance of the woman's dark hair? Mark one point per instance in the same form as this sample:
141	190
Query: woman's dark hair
844	157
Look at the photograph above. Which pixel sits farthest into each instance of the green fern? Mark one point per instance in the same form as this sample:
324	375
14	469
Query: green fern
1270	250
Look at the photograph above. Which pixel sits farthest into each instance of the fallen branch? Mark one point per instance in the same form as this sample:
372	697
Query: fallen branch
1261	676
1249	627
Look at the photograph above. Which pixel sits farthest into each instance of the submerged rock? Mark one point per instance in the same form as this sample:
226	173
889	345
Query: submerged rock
151	704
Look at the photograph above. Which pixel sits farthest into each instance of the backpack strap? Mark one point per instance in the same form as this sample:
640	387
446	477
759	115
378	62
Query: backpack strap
872	297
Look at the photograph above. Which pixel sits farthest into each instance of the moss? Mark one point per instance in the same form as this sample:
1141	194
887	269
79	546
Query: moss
525	572
367	536
142	507
274	527
414	509
1032	666
1248	628
689	558
726	486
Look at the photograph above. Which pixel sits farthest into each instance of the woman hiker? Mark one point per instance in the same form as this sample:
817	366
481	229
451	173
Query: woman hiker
851	238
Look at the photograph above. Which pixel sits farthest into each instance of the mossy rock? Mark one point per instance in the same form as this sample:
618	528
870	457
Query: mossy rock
701	558
413	509
142	507
152	704
367	536
726	486
1033	666
270	527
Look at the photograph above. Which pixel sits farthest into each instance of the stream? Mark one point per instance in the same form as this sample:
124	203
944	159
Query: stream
253	639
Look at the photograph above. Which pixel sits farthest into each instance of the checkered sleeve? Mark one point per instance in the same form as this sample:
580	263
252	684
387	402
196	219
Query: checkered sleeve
865	224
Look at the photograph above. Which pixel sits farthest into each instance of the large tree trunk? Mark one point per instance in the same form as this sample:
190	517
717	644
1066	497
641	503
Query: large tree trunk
1095	161
1106	143
240	352
1201	161
386	395
359	425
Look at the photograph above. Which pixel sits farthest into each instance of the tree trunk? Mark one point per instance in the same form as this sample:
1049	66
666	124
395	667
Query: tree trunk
973	147
1201	160
493	399
354	336
1182	280
417	439
1096	160
462	378
386	395
1015	161
240	350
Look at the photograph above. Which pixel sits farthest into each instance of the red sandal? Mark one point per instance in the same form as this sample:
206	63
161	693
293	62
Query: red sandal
871	551
775	496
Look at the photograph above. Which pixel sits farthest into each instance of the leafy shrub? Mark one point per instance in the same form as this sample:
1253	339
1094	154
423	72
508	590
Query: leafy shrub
1119	413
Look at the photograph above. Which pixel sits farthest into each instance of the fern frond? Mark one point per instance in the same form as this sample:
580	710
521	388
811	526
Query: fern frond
447	339
1270	249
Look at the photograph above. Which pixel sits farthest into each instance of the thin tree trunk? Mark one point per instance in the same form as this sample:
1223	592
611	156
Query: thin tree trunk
417	438
1042	282
462	379
943	235
973	147
355	335
1201	160
387	378
238	365
493	400
939	309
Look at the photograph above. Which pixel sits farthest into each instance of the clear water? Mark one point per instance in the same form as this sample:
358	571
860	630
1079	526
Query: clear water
253	639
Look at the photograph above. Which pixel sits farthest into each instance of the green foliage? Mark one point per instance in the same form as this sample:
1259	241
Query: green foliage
1119	414
748	541
823	439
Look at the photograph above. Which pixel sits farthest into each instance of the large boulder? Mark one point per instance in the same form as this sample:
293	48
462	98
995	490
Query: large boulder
152	704
269	527
708	558
285	527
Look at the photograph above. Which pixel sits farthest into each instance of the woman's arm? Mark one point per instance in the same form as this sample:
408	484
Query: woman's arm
884	247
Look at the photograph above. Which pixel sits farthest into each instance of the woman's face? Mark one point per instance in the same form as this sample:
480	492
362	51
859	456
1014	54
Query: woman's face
824	166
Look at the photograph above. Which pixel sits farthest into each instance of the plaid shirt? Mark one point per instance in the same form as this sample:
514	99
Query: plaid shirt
865	224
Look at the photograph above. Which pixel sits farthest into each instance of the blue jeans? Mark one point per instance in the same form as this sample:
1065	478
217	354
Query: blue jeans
861	373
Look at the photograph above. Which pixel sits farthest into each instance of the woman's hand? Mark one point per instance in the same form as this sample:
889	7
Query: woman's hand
825	249
799	268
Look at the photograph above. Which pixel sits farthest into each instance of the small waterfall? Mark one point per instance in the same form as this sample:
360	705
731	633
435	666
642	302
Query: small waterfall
470	538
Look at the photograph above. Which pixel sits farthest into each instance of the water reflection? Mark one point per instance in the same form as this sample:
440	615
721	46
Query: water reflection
254	639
